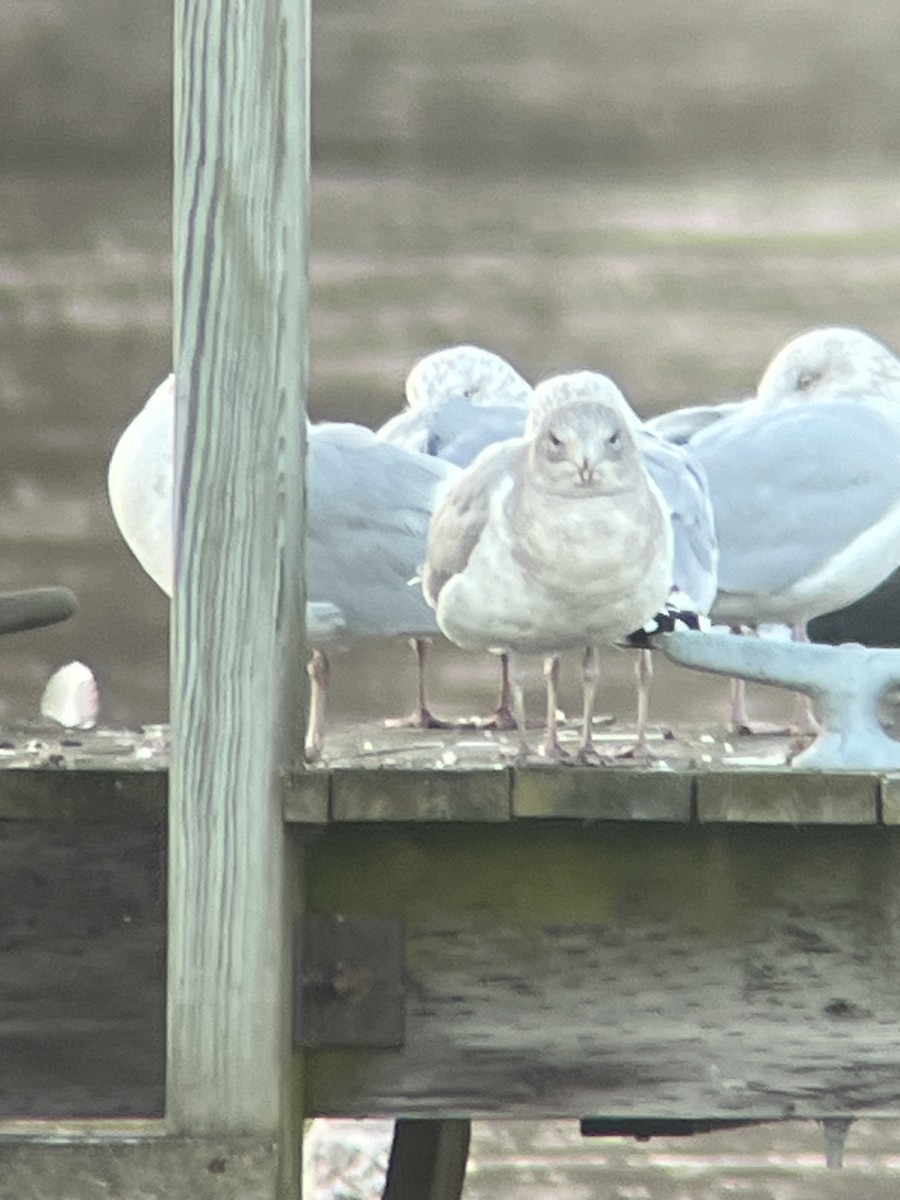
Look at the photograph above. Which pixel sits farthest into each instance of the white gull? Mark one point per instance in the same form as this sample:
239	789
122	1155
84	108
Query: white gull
369	505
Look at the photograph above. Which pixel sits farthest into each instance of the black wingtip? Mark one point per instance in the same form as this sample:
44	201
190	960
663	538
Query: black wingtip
680	614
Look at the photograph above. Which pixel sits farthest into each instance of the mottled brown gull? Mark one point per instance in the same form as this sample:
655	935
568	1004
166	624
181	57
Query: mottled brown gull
682	484
552	541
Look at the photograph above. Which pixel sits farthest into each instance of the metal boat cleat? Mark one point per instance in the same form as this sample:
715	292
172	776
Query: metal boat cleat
847	682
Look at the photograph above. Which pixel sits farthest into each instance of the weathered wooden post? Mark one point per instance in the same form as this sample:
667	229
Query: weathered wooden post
240	246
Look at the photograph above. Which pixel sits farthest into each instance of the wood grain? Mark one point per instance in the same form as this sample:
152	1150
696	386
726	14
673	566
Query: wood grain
240	248
626	970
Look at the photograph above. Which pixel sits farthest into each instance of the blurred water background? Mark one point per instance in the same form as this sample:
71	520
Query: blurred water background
664	190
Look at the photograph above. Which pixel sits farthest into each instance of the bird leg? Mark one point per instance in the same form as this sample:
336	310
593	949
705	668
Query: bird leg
739	721
503	717
318	671
421	717
551	748
643	669
590	676
517	686
804	722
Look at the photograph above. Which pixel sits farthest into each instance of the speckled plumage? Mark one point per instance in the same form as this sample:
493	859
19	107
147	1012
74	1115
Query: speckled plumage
555	540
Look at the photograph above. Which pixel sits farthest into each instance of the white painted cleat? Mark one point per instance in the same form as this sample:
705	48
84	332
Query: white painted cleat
71	697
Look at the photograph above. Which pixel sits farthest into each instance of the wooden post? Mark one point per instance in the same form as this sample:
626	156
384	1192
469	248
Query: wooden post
240	255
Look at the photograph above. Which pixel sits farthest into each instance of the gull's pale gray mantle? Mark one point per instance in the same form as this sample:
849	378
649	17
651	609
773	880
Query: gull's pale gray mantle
369	504
459	400
556	540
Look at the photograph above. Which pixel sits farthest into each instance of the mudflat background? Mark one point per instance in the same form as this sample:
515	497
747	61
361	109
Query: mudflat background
666	191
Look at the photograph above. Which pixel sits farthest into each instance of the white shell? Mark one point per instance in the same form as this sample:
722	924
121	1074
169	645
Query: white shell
71	697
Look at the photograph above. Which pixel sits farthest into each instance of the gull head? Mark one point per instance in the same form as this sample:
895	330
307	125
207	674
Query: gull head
831	363
583	448
469	372
572	388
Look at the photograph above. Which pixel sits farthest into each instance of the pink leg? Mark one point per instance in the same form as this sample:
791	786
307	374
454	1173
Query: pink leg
803	722
740	722
318	671
421	717
590	681
551	748
503	718
517	686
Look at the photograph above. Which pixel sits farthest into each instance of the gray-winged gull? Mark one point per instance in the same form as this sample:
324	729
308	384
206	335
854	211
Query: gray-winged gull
369	504
551	541
805	482
460	400
682	484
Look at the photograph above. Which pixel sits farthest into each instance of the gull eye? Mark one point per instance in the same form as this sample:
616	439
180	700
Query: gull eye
613	439
554	441
806	379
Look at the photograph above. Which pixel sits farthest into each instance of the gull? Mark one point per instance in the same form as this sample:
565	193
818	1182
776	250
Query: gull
554	540
805	483
682	484
368	508
460	400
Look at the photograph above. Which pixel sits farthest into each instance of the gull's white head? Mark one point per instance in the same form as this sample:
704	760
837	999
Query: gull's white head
583	447
572	388
830	363
477	375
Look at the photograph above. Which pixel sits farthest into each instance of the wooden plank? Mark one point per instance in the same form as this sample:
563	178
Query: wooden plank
591	794
890	799
109	1166
348	981
306	797
81	1132
400	795
120	797
241	328
428	1160
799	798
631	970
82	988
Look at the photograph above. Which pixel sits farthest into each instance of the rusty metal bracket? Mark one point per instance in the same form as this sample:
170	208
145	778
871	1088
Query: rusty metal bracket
348	981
